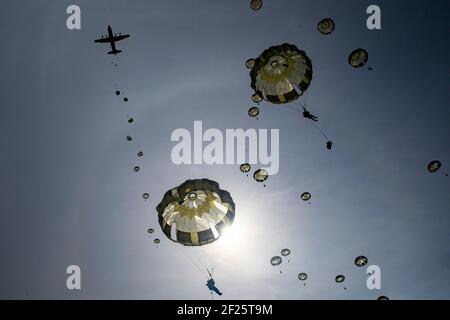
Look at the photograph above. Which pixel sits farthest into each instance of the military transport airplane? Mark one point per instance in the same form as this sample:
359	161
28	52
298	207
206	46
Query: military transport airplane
111	39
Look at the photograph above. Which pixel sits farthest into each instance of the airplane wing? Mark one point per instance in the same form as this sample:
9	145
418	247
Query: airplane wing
121	37
102	40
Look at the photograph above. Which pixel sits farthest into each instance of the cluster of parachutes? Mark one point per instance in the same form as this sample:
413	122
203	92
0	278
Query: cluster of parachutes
360	261
282	73
197	211
260	175
140	154
277	260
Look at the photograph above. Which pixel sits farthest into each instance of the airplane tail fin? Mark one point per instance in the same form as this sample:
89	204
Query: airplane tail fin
115	52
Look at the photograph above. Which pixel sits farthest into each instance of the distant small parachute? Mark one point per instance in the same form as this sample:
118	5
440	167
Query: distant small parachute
261	175
196	212
157	241
302	276
285	252
129	138
256	4
434	166
256	98
339	278
150	230
140	154
136	169
125	99
245	167
146	196
250	63
130	120
253	112
276	261
326	26
361	261
117	93
358	58
382	298
305	196
281	74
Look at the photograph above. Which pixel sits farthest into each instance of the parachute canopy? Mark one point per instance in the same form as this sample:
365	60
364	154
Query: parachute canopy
145	196
250	63
260	175
302	276
285	252
358	58
276	261
339	278
253	112
196	212
281	74
256	4
306	196
140	154
382	298
245	167
156	241
136	169
326	26
129	138
434	166
361	261
150	230
256	98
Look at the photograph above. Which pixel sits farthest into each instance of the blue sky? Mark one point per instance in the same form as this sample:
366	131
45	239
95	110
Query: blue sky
69	196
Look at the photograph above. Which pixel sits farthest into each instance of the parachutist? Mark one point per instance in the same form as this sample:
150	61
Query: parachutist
308	115
211	284
329	145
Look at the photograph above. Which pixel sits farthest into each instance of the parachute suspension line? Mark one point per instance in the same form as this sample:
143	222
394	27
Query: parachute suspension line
321	131
193	262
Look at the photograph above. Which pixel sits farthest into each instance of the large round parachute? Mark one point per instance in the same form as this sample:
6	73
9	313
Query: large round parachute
358	58
260	175
326	26
281	74
361	261
253	112
339	278
285	252
276	261
434	166
196	212
302	276
245	167
256	4
250	63
256	98
305	196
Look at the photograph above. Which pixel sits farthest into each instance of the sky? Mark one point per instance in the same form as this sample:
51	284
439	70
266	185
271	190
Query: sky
69	195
